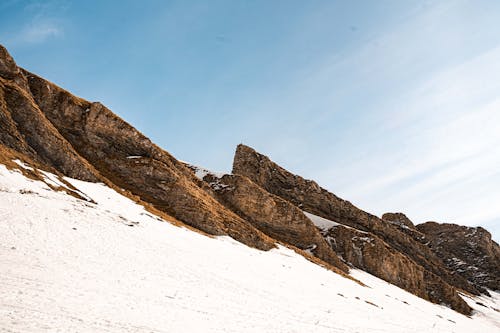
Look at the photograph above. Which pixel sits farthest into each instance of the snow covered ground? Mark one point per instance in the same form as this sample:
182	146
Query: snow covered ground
67	265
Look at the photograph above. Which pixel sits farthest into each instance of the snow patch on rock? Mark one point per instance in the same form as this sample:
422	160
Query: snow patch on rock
320	222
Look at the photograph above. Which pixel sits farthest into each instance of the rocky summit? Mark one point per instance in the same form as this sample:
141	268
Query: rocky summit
467	251
260	204
395	247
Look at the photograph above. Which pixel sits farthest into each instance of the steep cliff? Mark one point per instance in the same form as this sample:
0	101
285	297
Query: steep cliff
368	252
468	251
310	197
85	140
270	214
405	225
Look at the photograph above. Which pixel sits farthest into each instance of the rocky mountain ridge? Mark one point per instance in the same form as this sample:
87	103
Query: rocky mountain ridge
85	140
260	204
468	251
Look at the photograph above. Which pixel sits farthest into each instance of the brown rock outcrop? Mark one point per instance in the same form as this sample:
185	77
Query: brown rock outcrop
26	129
399	219
8	67
87	141
370	253
405	225
271	214
309	196
468	251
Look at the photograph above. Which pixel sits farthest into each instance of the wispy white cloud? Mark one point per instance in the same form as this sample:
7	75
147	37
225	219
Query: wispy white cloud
448	170
458	110
39	32
429	146
39	22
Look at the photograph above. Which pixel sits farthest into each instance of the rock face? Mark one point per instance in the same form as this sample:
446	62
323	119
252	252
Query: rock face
272	215
399	219
26	129
368	252
405	225
468	251
87	141
307	195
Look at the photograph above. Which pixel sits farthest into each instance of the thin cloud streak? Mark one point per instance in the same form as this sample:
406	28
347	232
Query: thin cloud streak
434	139
424	139
41	22
39	32
453	154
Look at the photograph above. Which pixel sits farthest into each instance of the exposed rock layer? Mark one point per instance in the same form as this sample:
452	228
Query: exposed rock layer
87	141
468	251
405	225
272	215
310	197
370	253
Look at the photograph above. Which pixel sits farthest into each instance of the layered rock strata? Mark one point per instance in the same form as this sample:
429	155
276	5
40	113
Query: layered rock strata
85	140
468	251
370	253
271	214
310	197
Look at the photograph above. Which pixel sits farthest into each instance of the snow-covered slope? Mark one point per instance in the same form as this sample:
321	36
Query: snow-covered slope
67	265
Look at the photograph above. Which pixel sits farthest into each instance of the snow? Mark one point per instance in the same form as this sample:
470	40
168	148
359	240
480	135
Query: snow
200	172
325	224
320	222
489	306
134	157
52	179
400	224
363	239
67	265
23	165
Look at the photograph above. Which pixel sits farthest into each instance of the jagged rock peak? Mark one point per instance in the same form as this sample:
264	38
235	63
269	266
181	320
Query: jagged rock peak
399	219
9	70
413	254
87	141
269	213
8	67
469	251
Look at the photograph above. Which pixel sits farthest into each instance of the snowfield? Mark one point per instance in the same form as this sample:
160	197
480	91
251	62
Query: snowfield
67	265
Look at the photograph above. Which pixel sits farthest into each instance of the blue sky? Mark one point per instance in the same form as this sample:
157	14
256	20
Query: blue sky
393	105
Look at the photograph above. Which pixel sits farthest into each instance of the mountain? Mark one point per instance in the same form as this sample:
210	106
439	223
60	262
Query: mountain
106	264
469	251
74	162
382	238
87	141
270	214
